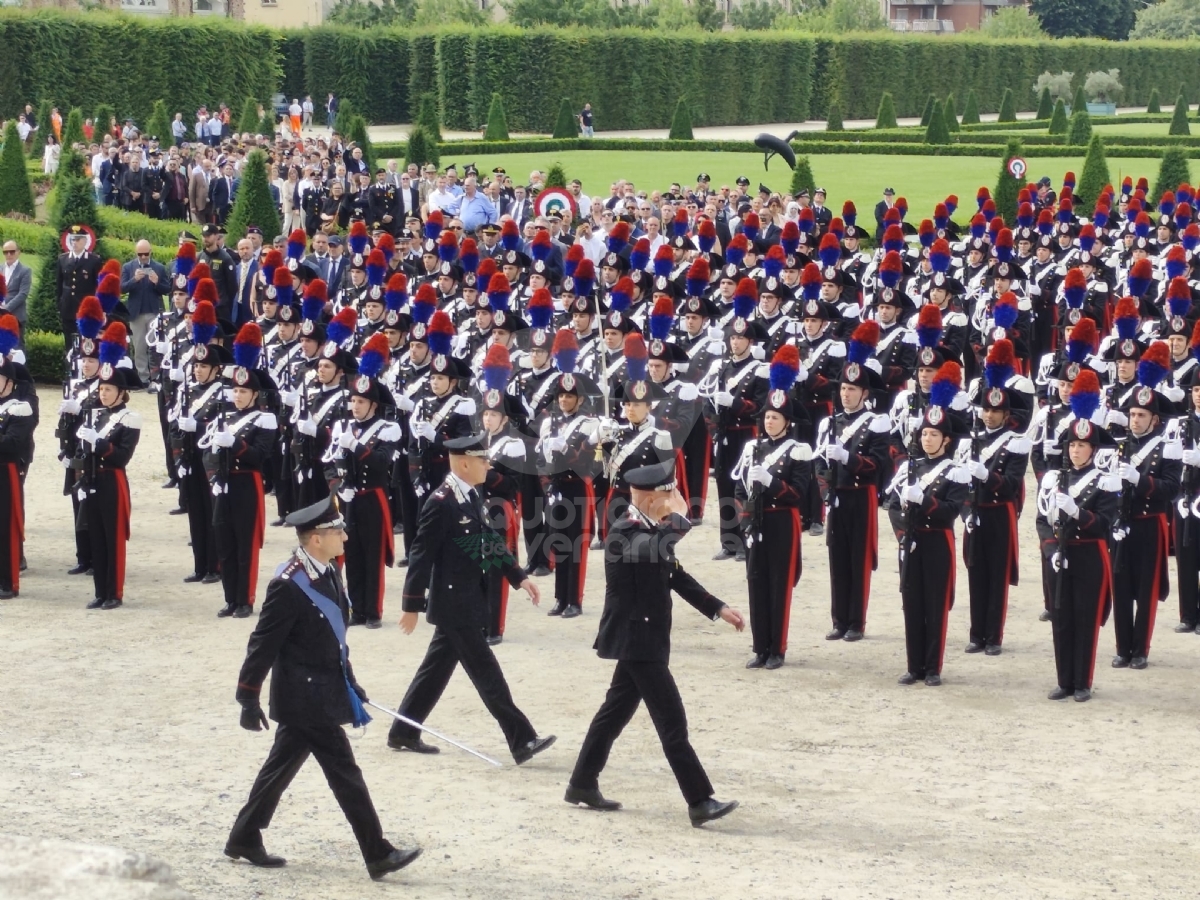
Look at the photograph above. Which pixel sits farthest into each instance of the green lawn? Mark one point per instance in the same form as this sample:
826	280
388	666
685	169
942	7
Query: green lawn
924	182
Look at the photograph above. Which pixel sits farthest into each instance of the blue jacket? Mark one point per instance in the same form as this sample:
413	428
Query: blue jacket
143	296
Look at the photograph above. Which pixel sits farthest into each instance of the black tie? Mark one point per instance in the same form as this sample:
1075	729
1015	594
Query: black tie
477	504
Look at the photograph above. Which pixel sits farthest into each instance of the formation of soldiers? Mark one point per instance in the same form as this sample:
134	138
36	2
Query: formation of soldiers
818	382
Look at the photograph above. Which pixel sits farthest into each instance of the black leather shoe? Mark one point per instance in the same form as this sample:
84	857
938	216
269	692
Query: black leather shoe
974	647
243	612
169	483
1138	662
816	529
1120	662
527	752
177	511
393	862
993	650
356	619
740	556
695	522
1044	615
835	635
592	799
23	565
1181	628
852	636
6	594
374	623
256	856
210	578
494	639
933	681
277	523
95	604
194	578
227	610
907	678
540	572
557	609
1058	694
402	562
81	569
710	810
112	603
757	661
571	611
1083	695
774	661
724	554
413	745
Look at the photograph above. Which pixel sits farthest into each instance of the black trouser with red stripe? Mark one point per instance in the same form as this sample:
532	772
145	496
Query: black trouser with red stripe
368	552
504	519
1142	579
533	520
285	488
729	450
240	537
928	595
570	517
1187	568
107	511
989	578
12	526
852	539
83	543
697	459
198	492
772	570
404	502
1080	612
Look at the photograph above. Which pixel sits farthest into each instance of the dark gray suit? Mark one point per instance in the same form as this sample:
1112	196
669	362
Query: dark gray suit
17	287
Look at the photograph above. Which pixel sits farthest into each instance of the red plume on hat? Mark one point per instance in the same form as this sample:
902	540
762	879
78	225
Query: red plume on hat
112	267
496	367
441	330
206	289
1195	343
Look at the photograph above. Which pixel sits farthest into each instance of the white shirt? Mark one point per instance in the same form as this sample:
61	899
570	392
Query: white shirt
442	200
295	109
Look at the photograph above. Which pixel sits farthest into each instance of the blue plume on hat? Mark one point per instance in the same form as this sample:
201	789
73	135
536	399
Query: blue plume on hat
735	253
862	343
296	244
998	367
1100	217
636	356
1087	242
706	236
440	334
433	225
978	227
204	323
745	298
247	346
639	257
358	239
540	247
789	237
342	326
1177	262
750	226
1179	297
496	368
565	351
1154	365
1082	341
89	318
772	267
929	326
375	354
943	390
663	264
109	293
830	251
697	278
540	309
785	367
112	343
396	294
621	295
376	268
468	256
1085	395
893	239
1005	313
311	308
939	256
662	319
618	238
1140	276
510	238
1190	240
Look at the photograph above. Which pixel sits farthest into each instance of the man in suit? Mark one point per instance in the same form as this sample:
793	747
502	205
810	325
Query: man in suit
18	278
408	203
339	265
198	192
145	283
301	639
175	196
318	260
75	277
881	208
450	558
246	277
520	207
641	571
133	185
221	192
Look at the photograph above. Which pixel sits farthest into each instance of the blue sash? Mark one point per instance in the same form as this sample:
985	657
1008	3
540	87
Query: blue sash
333	615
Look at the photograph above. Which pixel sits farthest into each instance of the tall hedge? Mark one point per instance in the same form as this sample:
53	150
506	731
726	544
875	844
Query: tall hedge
802	177
254	204
1007	188
951	118
1045	104
1058	120
927	112
1172	171
73	128
421	148
346	111
428	117
1079	132
1008	107
681	122
1094	176
250	120
937	132
566	125
37	141
101	118
885	116
1079	101
159	123
497	122
15	193
833	119
1179	121
970	114
1154	105
556	176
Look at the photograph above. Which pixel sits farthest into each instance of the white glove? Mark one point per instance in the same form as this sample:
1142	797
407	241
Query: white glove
1191	457
914	422
514	450
1115	417
289	398
978	470
1172	393
424	431
1034	290
723	398
223	439
760	475
1130	473
186	423
88	435
794	326
715	333
717	347
688	392
347	440
837	453
69	408
404	404
1066	504
608	429
307	426
1056	561
162	348
837	351
912	494
802	374
554	444
1051	448
176	374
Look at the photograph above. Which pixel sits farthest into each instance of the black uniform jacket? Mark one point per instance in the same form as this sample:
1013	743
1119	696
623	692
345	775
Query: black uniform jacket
294	641
640	571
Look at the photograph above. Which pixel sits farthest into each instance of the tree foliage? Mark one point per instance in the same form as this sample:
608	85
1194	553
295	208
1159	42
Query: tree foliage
756	15
556	176
1170	20
927	112
427	115
1094	177
1008	188
497	122
566	125
951	117
886	116
367	14
37	142
1155	103
1079	131
1179	121
833	118
937	132
1058	85
159	123
16	196
422	148
1110	19
1011	23
1058	119
1103	87
835	17
431	13
254	204
970	114
802	177
250	120
1008	107
681	122
1045	104
1172	171
357	132
73	128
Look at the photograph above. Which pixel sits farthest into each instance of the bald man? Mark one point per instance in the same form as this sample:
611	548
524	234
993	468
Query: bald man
146	285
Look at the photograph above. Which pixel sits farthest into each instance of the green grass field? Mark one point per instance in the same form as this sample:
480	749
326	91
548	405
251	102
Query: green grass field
923	181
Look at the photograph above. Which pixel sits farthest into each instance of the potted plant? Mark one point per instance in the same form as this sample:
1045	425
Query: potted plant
1103	89
1059	85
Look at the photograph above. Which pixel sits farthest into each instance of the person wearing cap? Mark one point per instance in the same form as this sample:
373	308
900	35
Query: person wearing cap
1077	506
451	554
222	266
1187	535
107	442
925	498
895	351
881	209
200	402
384	204
239	446
440	413
999	458
78	403
286	369
1150	469
822	353
772	484
167	339
641	570
301	639
76	275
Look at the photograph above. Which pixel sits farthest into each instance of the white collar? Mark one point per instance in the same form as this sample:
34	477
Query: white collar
464	488
308	559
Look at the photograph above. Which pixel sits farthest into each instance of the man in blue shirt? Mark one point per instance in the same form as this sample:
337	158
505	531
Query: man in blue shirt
474	208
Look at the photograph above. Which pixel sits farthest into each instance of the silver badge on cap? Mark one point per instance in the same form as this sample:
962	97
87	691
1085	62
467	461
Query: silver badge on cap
927	356
362	384
1083	429
853	371
935	415
440	364
1145	396
568	382
995	397
241	376
778	399
1128	348
639	390
656	347
106	371
493	399
329	351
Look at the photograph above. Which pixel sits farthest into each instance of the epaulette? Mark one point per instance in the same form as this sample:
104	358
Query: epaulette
1019	446
801	452
267	421
1110	483
881	424
291	567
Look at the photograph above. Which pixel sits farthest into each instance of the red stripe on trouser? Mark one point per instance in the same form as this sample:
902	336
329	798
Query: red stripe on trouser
793	558
948	600
585	539
386	543
257	538
124	507
1160	558
16	525
704	478
871	557
1106	585
681	477
512	531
